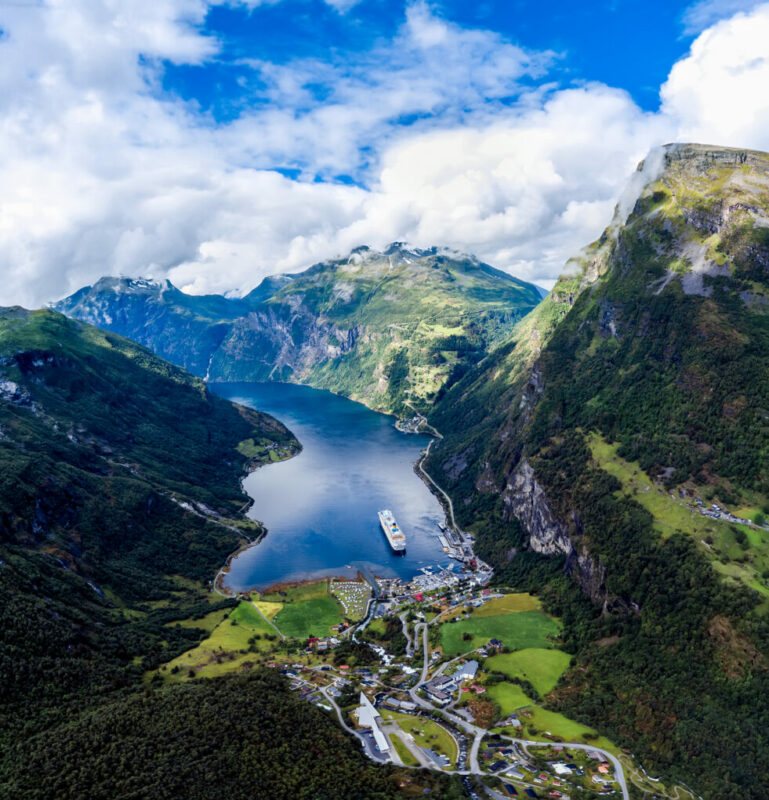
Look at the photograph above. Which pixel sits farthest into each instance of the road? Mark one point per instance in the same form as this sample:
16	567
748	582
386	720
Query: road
478	733
618	771
269	622
450	505
425	648
409	644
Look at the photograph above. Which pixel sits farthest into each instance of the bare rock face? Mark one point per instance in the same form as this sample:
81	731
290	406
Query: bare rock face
526	500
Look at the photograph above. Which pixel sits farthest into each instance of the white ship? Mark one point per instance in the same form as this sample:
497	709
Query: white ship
392	531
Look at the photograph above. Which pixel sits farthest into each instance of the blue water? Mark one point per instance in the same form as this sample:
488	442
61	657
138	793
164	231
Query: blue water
320	508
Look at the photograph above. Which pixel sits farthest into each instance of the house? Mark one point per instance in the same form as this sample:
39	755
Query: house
510	789
438	696
478	689
496	644
515	773
369	717
468	670
497	765
531	793
561	768
603	768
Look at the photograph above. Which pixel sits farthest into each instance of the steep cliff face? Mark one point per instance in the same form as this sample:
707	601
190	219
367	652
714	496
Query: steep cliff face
391	329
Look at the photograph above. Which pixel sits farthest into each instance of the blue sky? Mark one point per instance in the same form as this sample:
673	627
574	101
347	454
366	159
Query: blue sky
214	142
626	43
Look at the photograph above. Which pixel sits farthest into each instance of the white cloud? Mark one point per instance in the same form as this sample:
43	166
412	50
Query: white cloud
718	93
704	13
101	172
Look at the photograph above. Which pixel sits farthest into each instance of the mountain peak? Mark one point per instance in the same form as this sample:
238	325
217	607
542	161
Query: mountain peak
706	156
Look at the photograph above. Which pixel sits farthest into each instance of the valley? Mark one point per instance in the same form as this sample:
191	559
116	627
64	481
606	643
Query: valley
595	461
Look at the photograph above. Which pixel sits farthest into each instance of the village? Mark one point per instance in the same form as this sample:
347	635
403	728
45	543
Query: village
439	672
417	704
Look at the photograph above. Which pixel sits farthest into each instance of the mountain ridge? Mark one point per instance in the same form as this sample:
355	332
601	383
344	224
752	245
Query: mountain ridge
637	389
389	328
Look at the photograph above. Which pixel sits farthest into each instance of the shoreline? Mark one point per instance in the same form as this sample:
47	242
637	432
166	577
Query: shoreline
252	465
401	425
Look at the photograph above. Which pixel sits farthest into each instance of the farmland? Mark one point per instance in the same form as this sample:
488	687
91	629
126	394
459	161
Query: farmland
523	629
542	668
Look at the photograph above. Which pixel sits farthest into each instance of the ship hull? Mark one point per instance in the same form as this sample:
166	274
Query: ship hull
392	533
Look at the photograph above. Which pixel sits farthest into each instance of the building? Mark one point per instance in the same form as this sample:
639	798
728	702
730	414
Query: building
468	670
438	759
369	717
438	696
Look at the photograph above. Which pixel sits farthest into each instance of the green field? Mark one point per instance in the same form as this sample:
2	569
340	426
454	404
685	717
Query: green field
556	724
745	563
303	591
508	696
516	631
403	752
267	608
207	623
508	604
309	617
542	668
226	649
427	733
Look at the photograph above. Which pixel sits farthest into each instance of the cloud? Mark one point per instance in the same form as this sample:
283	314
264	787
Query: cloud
446	136
701	15
431	74
718	94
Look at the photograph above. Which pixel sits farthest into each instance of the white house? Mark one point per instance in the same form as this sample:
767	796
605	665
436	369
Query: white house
468	670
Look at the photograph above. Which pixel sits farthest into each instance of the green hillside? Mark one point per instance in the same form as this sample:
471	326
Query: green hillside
635	397
119	499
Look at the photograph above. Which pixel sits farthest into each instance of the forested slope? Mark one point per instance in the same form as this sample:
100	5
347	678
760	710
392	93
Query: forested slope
119	499
633	398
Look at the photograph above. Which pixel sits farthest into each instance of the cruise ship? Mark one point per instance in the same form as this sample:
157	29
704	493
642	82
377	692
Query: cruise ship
392	531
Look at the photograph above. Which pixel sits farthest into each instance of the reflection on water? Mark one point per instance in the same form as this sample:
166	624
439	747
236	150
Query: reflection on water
320	508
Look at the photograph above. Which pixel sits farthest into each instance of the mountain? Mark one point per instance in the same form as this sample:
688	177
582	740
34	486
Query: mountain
386	328
119	499
620	437
182	328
